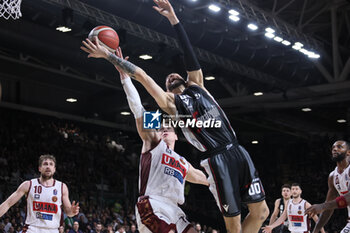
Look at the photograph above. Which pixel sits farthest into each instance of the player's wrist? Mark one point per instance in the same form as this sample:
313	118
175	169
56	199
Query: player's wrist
341	202
173	20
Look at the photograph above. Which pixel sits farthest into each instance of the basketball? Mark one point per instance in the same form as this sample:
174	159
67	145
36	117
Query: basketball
107	36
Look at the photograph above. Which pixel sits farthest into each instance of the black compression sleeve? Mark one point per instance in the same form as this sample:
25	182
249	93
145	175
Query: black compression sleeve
191	61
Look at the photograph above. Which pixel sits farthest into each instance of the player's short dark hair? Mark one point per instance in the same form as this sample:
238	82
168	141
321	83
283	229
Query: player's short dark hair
347	144
296	185
42	158
285	186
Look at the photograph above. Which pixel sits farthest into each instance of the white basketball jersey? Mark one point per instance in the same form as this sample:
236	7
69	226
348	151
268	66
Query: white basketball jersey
296	216
162	174
341	182
44	205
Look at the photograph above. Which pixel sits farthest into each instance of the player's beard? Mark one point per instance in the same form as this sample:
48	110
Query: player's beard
45	177
340	157
176	84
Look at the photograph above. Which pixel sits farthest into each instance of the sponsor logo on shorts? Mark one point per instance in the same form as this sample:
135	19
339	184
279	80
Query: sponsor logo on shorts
225	207
44	216
45	207
171	172
172	162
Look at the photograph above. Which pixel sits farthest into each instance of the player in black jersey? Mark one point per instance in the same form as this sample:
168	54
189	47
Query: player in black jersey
232	176
280	205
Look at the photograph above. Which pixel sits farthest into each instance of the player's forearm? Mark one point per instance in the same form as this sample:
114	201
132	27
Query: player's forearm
133	98
322	220
4	207
278	222
191	61
272	218
200	178
173	19
129	68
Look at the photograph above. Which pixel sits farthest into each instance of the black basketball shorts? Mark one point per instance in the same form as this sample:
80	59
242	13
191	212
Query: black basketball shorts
233	180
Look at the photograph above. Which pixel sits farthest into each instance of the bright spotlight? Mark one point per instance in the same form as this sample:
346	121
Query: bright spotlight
278	39
234	18
252	26
233	12
214	8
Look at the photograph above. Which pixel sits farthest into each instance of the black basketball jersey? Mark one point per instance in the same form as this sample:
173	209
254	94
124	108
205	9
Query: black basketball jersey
281	207
198	104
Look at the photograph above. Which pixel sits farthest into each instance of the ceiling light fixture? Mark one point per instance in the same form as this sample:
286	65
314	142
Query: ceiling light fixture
71	100
214	8
252	26
145	57
306	109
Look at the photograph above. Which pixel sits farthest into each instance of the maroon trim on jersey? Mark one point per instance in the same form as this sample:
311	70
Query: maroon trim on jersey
187	228
152	148
62	216
54	181
146	159
216	184
30	185
150	220
62	193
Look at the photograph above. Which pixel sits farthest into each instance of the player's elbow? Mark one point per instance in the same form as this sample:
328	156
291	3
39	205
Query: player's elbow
140	75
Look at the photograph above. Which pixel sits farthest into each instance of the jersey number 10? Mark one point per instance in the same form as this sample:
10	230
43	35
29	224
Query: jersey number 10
38	189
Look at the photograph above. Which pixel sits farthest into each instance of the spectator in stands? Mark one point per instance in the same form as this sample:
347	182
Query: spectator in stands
75	228
98	228
133	229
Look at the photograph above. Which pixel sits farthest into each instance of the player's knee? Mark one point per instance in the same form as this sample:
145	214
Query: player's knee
264	213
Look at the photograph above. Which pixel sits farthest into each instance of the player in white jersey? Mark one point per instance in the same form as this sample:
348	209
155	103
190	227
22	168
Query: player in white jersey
338	184
162	173
45	196
295	211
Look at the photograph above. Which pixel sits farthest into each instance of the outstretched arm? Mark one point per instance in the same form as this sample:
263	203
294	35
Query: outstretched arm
279	221
14	198
71	209
148	136
274	215
195	75
196	176
322	208
165	100
315	217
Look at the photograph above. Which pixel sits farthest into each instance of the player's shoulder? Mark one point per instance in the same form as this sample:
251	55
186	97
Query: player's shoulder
25	186
277	201
331	174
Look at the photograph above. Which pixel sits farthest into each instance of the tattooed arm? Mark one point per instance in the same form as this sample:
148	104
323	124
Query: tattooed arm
165	100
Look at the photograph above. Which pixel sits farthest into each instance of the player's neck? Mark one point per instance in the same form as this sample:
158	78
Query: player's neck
296	200
179	89
342	165
171	145
46	182
286	199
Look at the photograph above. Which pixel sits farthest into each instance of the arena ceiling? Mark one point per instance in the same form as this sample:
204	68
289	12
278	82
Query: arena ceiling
42	67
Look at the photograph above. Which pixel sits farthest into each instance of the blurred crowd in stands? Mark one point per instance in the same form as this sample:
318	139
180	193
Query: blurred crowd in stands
100	167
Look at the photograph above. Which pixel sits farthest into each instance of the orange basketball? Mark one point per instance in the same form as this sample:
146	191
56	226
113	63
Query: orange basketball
107	36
